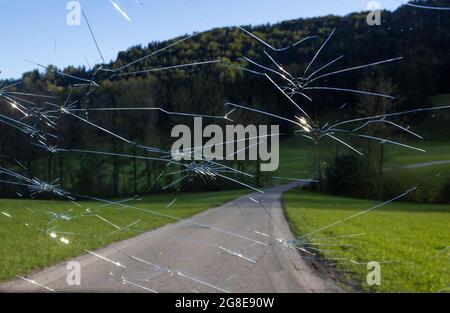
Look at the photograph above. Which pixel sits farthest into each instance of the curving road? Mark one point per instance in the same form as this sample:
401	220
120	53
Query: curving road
240	255
427	164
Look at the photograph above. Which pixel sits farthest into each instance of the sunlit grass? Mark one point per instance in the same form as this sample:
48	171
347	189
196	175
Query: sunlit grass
410	235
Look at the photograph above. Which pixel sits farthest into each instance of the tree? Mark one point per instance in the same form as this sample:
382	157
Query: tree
374	106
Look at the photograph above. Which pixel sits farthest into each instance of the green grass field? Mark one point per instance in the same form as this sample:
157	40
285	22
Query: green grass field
296	157
409	237
436	132
26	246
435	151
430	179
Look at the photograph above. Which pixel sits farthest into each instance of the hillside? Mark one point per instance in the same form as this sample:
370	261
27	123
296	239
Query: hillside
405	32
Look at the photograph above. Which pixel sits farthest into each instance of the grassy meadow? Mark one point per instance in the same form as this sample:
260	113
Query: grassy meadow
407	239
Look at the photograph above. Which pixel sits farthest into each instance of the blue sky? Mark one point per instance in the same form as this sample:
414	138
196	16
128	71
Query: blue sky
37	30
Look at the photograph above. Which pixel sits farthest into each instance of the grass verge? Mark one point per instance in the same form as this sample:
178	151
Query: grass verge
409	237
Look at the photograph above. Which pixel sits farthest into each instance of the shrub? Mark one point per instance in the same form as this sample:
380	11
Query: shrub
349	175
445	193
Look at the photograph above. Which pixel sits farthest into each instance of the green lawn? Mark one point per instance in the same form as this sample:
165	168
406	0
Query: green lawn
297	155
430	179
296	158
26	247
435	151
408	236
436	132
436	126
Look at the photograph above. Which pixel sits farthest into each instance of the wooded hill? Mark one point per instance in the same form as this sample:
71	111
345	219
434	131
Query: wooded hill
422	37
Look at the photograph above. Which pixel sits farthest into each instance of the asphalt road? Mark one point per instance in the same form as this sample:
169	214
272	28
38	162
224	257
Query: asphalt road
240	254
428	164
